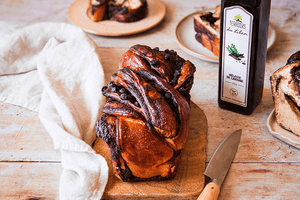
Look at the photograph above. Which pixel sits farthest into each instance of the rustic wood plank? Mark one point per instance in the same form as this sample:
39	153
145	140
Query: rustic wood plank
23	137
29	180
25	180
262	181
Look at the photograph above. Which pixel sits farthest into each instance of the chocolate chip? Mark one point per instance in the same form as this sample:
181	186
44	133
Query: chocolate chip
113	89
173	52
154	63
124	96
136	103
167	51
156	49
104	88
122	90
168	95
124	10
111	83
167	57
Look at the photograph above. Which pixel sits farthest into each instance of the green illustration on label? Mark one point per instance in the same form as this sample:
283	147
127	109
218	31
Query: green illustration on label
233	52
238	18
236	48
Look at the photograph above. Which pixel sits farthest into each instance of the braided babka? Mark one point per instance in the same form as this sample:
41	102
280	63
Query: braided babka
145	120
118	10
285	85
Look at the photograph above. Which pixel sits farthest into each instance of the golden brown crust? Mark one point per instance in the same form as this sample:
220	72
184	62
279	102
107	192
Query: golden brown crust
145	121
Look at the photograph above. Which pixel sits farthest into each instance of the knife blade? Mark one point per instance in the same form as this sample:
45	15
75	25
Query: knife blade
219	165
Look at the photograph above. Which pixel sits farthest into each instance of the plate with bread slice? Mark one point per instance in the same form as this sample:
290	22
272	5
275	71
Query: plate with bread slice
116	18
188	34
283	121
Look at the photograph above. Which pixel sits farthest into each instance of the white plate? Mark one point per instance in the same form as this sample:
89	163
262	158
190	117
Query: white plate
185	37
281	133
78	15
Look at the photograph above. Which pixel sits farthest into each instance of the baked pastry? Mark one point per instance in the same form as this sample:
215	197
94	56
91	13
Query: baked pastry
97	9
127	10
295	57
145	120
118	10
207	27
285	85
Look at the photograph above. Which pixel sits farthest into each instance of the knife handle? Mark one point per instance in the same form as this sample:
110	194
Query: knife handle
210	192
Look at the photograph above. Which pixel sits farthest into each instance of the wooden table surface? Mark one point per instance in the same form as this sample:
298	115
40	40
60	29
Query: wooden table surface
264	166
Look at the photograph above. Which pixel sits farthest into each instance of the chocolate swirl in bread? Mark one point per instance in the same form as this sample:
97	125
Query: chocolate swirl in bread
118	10
145	120
285	85
207	28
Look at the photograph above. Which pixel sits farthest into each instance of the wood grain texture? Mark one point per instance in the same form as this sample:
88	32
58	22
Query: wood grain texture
29	180
262	181
269	181
23	137
189	180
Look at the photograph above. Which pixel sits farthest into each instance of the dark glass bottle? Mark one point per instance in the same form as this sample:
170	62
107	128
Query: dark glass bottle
243	51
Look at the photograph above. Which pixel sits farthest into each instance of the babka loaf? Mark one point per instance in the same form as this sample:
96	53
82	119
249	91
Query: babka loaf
207	27
145	120
285	85
118	10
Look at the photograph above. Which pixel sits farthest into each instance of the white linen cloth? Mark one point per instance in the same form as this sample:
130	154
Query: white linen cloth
54	69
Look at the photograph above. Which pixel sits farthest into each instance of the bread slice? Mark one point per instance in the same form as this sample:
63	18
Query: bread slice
207	27
118	10
285	85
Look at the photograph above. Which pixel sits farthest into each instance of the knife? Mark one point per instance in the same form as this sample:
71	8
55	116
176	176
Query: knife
219	165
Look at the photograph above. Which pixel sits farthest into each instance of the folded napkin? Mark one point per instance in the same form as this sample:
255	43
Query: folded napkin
54	69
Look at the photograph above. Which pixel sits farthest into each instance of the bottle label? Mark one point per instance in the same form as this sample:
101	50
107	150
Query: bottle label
236	48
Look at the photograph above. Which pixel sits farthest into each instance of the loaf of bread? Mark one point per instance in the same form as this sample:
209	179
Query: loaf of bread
285	85
118	10
207	27
146	118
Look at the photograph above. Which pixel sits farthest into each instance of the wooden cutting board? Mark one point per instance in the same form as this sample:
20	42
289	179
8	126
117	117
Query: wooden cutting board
189	180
